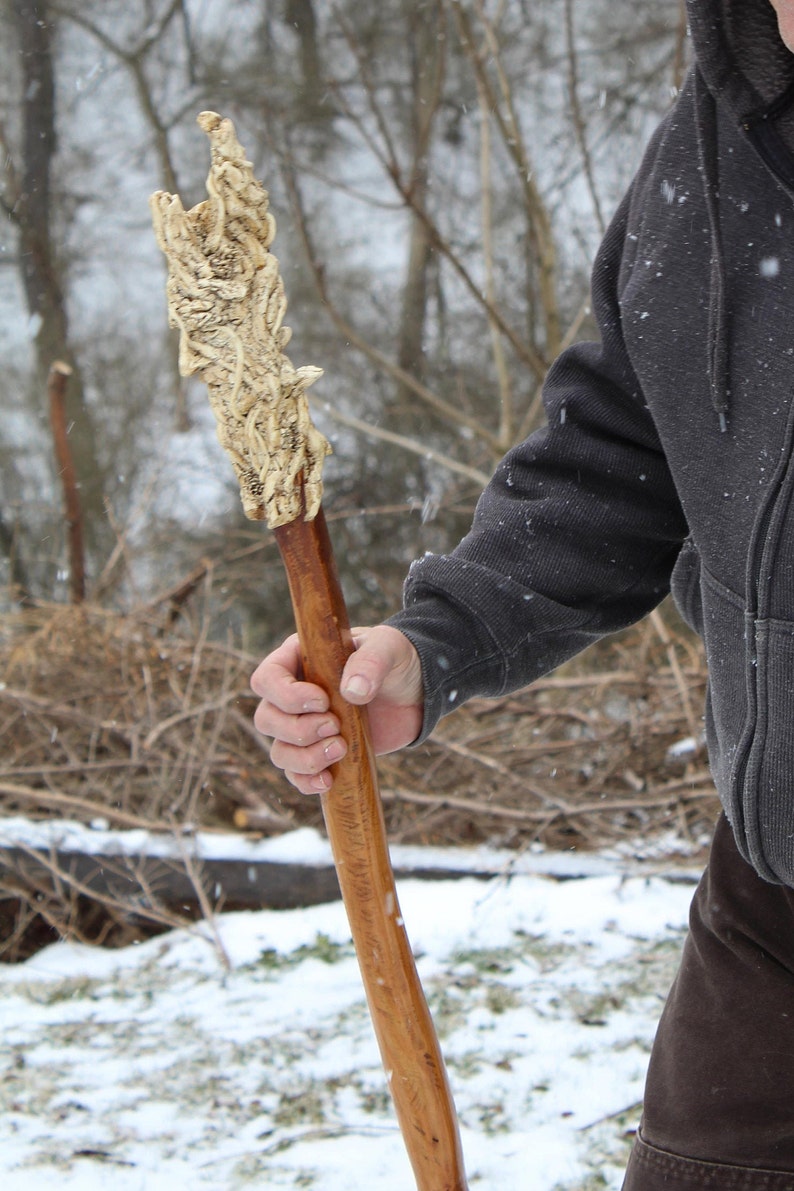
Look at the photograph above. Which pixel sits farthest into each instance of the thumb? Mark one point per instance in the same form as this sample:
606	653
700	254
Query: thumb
383	656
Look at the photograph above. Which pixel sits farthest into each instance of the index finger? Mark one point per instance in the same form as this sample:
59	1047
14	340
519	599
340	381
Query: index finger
276	679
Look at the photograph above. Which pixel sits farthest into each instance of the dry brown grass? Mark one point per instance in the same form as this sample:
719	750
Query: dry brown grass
140	720
582	760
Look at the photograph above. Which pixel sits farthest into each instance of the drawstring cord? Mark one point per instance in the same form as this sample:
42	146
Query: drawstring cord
717	346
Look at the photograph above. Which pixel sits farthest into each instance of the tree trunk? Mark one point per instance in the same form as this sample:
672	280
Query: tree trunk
425	67
41	275
300	15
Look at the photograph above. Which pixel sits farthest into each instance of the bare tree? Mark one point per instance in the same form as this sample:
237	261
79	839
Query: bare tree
27	198
440	172
134	52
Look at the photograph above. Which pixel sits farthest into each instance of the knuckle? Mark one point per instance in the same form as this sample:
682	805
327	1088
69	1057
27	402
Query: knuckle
262	720
275	757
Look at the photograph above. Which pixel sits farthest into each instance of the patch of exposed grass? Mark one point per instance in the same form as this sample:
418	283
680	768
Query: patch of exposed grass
323	948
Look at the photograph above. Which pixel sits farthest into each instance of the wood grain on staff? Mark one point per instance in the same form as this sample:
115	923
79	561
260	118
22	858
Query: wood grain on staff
356	830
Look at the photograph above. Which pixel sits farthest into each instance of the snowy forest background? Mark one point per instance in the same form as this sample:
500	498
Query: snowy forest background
440	171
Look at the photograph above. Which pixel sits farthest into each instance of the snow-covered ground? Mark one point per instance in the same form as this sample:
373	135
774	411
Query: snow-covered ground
184	1063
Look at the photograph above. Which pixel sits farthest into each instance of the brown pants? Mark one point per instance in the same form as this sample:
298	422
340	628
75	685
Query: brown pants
719	1099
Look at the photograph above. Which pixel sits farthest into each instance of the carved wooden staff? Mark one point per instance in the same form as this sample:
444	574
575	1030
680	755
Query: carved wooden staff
226	296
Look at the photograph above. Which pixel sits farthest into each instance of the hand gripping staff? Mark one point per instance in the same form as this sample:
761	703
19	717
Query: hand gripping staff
226	296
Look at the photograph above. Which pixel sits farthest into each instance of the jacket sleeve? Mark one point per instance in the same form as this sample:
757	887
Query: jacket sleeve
573	538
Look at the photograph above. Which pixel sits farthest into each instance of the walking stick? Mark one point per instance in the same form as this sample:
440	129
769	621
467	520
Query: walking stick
226	297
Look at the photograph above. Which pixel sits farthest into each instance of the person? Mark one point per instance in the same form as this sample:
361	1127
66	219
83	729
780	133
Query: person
666	461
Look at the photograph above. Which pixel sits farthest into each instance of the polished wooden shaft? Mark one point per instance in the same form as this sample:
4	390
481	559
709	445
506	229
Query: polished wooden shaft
354	820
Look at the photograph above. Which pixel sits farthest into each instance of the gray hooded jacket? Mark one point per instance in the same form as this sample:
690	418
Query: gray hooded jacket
668	453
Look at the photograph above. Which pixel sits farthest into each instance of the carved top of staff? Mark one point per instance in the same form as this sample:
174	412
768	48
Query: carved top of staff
226	296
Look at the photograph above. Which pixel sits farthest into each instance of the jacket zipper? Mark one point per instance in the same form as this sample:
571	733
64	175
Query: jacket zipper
759	561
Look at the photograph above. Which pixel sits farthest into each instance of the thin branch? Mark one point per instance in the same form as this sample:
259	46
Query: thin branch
390	159
680	56
56	392
576	115
497	347
12	191
408	444
62	878
449	412
525	351
438	241
672	657
207	910
506	117
151	35
53	798
189	713
656	797
133	59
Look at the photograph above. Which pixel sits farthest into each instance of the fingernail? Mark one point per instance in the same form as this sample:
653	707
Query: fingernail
314	705
334	750
327	728
358	686
321	783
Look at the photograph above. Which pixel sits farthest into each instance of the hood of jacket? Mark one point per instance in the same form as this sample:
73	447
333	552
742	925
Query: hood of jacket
745	74
740	54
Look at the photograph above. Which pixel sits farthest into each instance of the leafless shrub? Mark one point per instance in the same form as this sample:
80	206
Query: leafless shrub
141	722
